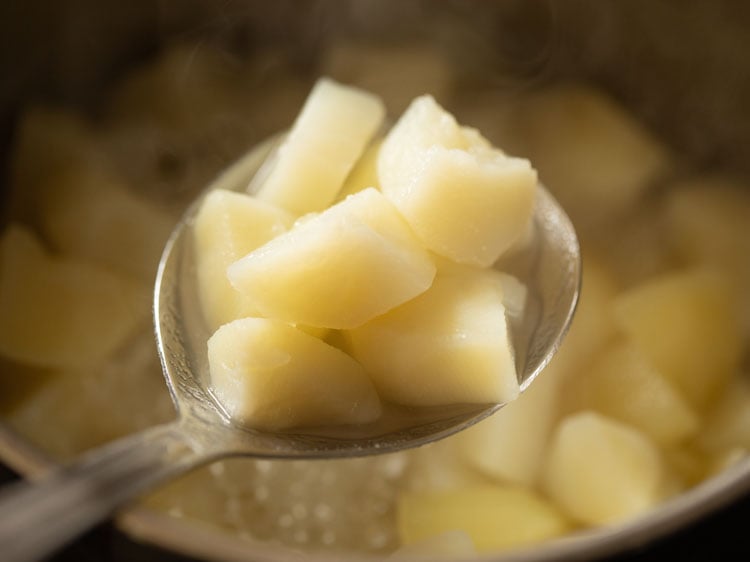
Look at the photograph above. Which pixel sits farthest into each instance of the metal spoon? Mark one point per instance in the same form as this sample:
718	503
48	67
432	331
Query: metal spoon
41	516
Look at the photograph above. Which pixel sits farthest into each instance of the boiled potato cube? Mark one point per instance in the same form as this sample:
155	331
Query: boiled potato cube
496	517
595	158
443	177
61	312
448	345
601	471
270	375
686	325
228	226
623	385
77	408
510	445
91	214
593	325
439	467
48	141
707	223
339	269
329	135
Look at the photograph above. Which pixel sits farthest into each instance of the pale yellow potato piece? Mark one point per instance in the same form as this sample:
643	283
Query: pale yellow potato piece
594	157
622	384
448	345
339	269
465	200
60	312
331	132
510	445
496	517
440	467
48	141
270	375
601	471
707	223
685	323
396	72
73	409
227	227
91	213
593	325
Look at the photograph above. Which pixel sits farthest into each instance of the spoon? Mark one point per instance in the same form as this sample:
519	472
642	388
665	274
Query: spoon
41	516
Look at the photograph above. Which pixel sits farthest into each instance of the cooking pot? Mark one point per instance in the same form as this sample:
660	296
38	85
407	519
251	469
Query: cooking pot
680	67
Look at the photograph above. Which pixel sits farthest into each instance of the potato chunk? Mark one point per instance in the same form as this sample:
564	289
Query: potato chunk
61	312
333	129
622	384
270	375
707	223
589	151
92	214
601	471
496	517
510	445
448	345
228	226
339	269
686	325
465	200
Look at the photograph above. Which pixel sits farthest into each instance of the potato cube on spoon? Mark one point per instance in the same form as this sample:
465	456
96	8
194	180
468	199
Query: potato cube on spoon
352	262
270	375
328	137
464	199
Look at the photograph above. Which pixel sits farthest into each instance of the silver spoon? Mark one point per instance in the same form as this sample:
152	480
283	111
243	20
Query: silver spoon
41	516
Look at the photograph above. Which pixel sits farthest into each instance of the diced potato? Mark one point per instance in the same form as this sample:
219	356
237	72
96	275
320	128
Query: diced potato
90	214
622	384
48	141
329	135
397	72
448	345
707	222
727	426
443	177
365	172
510	444
593	324
270	375
78	408
601	471
440	467
339	269
685	324
447	545
227	227
590	153
496	517
61	312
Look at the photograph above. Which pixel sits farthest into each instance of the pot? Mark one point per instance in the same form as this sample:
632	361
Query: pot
678	68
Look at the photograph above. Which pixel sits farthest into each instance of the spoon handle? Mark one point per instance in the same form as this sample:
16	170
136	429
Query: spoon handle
41	516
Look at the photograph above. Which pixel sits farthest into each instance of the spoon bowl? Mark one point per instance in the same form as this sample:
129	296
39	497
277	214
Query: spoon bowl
73	498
